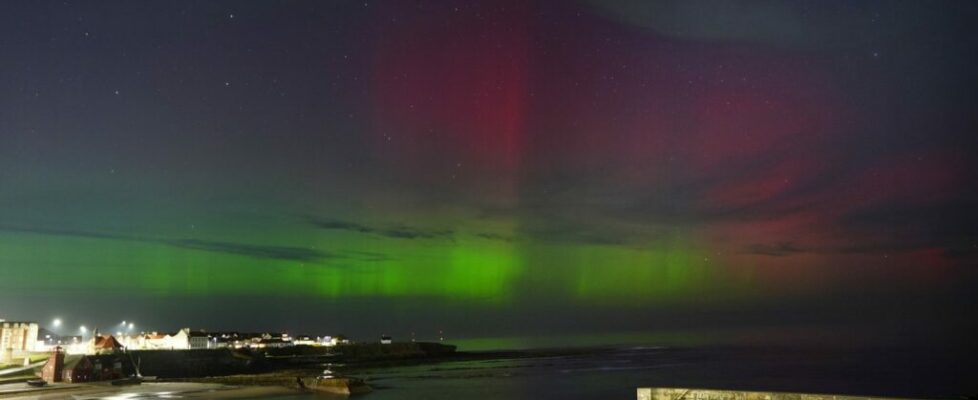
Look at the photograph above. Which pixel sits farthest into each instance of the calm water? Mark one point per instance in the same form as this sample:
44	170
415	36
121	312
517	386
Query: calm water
614	374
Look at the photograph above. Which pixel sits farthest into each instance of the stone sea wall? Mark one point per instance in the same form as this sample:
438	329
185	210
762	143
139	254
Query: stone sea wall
186	363
709	394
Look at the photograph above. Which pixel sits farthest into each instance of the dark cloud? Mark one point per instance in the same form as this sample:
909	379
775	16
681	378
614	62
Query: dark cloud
68	232
287	253
780	249
577	234
394	231
951	226
494	236
833	25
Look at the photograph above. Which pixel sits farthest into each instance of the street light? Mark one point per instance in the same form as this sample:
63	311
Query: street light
131	325
83	329
56	323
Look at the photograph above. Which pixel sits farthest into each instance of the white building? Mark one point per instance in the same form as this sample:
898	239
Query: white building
184	339
303	340
147	341
333	340
17	338
199	340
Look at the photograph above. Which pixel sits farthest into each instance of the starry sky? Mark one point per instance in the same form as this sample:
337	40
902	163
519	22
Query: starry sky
544	171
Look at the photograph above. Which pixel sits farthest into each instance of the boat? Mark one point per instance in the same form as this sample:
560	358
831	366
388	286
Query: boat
132	380
330	382
37	382
337	385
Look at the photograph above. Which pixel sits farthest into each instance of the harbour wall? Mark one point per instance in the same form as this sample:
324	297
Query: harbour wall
710	394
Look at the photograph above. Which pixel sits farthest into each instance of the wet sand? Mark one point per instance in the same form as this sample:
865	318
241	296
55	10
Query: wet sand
146	390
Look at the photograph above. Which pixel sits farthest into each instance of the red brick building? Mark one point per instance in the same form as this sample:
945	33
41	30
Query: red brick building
61	367
77	368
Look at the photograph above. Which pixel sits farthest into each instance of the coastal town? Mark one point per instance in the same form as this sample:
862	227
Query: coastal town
20	339
40	357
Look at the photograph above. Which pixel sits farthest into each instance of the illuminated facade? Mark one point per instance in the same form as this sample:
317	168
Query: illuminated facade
17	338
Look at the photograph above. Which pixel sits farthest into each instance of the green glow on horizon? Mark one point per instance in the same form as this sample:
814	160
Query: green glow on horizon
465	268
609	274
483	270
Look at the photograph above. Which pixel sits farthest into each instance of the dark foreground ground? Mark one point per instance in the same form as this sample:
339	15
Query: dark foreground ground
616	373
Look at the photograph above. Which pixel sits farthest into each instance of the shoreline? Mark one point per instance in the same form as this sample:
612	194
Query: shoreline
181	389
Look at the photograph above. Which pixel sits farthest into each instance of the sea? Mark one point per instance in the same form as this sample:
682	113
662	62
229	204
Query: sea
616	373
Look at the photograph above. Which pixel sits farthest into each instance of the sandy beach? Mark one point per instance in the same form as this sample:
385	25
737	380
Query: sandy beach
146	390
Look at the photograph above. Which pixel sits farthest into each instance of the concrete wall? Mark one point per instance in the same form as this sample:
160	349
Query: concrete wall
707	394
190	363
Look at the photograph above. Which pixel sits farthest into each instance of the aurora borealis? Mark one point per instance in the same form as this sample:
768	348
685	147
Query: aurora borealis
757	171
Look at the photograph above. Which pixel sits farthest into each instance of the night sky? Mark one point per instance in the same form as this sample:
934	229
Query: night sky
569	171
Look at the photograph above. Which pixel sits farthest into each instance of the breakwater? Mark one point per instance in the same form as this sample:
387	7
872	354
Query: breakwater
712	394
190	363
222	362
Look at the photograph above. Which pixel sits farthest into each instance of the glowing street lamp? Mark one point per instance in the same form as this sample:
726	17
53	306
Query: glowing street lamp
56	323
83	329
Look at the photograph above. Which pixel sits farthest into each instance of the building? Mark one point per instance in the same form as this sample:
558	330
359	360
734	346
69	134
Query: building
152	341
17	338
179	340
76	368
272	343
247	340
51	371
187	339
334	340
305	340
61	367
199	340
109	366
145	341
103	345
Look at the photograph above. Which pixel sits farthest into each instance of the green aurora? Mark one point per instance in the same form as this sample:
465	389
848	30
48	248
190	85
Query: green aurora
572	172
